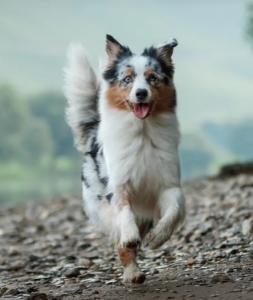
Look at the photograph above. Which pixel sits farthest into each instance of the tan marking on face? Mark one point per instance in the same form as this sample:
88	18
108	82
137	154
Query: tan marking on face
117	96
150	72
129	72
164	98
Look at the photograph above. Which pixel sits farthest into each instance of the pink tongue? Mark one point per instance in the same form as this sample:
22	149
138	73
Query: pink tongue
141	110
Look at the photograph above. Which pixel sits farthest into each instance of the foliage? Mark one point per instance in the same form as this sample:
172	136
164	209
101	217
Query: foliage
250	22
23	137
12	116
49	108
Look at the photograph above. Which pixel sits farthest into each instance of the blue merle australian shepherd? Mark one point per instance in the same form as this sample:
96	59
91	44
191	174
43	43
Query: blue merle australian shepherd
126	128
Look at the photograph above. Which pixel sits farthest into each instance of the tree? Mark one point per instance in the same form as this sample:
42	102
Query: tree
35	142
12	119
49	107
250	23
23	137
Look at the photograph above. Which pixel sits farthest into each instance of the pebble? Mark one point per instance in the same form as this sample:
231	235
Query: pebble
85	262
73	272
191	262
220	278
13	251
37	296
247	227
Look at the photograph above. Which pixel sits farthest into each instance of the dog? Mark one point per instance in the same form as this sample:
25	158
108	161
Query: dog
126	128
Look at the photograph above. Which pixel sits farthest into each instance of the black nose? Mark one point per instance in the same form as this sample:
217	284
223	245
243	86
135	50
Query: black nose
141	94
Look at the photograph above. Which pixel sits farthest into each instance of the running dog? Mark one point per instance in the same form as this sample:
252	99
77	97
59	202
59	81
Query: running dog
126	128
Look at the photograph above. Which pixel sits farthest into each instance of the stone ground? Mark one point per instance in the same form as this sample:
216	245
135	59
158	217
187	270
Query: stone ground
48	251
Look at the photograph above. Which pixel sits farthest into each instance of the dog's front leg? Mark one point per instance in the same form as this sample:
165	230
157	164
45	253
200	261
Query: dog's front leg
129	241
172	211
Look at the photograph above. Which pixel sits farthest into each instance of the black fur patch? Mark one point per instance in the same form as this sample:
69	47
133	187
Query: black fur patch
111	73
109	196
94	148
152	52
93	153
89	125
104	180
99	197
85	181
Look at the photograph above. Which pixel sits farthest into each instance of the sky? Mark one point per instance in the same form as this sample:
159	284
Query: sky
214	60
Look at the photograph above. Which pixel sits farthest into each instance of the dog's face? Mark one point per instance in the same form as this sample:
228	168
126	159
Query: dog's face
142	83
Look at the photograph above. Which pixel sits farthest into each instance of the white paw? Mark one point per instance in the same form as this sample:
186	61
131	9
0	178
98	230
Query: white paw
132	274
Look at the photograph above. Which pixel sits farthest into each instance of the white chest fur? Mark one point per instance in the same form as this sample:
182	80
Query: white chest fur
142	154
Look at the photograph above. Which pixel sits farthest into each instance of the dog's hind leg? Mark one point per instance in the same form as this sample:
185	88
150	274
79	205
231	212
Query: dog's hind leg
129	241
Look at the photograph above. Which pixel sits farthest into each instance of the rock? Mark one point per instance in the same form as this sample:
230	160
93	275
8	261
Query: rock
13	291
33	257
247	227
3	290
220	278
200	259
32	289
72	272
191	262
37	296
71	258
16	265
236	169
13	251
111	281
85	262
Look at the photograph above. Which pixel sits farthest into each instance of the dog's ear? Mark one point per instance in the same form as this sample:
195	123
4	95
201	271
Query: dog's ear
165	51
113	47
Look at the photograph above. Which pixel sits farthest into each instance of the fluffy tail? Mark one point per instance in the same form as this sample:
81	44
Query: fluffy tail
81	91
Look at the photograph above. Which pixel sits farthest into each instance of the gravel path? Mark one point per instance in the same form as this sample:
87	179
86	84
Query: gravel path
48	251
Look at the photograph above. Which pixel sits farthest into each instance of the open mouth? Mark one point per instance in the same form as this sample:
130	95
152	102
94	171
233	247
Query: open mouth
141	110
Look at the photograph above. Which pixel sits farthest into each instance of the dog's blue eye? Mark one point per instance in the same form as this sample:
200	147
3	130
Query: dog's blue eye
128	79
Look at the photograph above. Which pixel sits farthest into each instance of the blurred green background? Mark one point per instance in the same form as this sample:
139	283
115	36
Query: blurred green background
214	72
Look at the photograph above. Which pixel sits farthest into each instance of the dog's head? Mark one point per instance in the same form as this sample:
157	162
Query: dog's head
142	83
